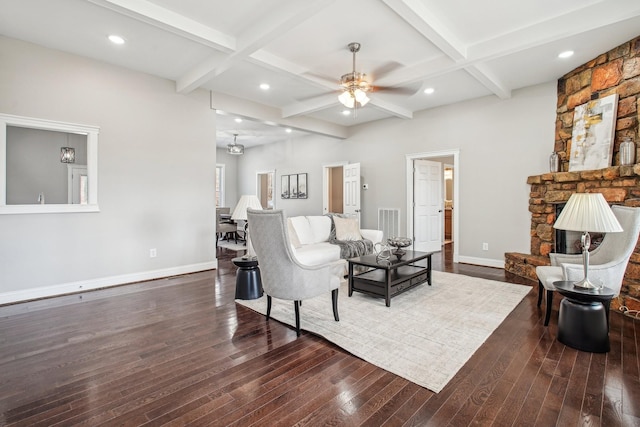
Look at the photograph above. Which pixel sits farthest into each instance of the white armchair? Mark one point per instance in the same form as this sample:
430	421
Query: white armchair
608	261
282	275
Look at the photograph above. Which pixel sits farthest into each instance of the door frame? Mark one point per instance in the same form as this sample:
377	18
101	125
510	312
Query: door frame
429	155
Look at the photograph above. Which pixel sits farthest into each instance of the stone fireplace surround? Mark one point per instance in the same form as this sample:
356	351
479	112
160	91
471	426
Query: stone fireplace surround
619	185
616	71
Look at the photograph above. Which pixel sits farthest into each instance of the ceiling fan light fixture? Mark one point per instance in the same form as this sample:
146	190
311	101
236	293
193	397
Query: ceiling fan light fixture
361	97
347	99
354	84
235	149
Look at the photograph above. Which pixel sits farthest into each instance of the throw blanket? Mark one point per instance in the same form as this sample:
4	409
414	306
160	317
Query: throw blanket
350	248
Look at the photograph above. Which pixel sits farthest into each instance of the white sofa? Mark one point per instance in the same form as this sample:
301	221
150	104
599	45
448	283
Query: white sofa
309	239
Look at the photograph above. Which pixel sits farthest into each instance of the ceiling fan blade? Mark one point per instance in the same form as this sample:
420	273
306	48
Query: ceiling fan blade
320	78
385	69
312	97
395	90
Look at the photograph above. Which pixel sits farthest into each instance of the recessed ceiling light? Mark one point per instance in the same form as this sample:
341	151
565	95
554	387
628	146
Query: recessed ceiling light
238	120
346	112
288	130
116	39
429	90
264	86
566	54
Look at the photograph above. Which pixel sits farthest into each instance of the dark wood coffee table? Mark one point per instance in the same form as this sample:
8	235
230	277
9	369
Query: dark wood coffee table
388	278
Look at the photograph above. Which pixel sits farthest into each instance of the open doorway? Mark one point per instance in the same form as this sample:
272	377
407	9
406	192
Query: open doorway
449	159
264	189
448	203
341	189
332	188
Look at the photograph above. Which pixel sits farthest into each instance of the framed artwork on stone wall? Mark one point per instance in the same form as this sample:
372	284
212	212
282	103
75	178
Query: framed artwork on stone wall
594	125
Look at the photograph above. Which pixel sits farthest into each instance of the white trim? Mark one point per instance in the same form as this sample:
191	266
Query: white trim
104	282
92	164
487	262
222	183
47	208
456	192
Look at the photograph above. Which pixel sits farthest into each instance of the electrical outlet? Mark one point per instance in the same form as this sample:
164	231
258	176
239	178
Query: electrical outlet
485	246
153	253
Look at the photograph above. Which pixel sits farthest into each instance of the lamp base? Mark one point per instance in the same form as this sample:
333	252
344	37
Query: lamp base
586	284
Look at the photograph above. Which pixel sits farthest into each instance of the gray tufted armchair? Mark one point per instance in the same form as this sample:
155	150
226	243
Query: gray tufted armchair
608	262
282	275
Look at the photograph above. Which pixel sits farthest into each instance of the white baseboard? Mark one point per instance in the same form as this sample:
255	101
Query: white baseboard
103	282
497	263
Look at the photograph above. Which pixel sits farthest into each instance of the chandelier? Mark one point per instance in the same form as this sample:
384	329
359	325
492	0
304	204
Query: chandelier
234	148
353	84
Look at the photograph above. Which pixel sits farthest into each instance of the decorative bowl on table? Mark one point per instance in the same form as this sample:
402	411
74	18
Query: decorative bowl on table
399	243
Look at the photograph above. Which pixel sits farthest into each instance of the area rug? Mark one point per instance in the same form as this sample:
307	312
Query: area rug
427	334
231	245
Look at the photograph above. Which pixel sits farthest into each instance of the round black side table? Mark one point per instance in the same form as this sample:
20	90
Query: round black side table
583	322
248	281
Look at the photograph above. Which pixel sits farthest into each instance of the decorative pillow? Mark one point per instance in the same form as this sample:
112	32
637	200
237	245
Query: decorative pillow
347	229
303	230
321	226
293	236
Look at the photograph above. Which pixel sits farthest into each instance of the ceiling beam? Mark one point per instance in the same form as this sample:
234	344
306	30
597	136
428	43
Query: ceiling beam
388	107
331	100
311	106
561	27
483	75
273	116
264	30
277	64
175	23
416	14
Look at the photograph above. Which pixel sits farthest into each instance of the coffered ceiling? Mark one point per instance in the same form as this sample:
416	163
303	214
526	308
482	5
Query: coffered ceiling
462	49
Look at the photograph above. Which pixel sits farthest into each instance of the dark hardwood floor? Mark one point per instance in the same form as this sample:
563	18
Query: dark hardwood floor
179	351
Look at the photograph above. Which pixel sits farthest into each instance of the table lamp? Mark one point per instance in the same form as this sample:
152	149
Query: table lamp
240	213
585	212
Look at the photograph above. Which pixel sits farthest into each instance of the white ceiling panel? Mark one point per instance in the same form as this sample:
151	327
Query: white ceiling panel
475	21
541	69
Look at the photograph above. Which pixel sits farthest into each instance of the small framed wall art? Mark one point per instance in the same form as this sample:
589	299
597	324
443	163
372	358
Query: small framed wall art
293	186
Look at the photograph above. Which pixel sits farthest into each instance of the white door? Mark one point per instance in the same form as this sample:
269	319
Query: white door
351	193
427	210
77	184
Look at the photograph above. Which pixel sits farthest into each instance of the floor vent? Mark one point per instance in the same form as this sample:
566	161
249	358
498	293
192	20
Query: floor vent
389	222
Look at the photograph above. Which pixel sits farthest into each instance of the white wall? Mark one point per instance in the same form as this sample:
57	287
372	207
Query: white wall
292	156
501	143
156	176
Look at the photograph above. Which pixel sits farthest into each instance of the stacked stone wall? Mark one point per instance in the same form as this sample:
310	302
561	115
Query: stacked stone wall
617	71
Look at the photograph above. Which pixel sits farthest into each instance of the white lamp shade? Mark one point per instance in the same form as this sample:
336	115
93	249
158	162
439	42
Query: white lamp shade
246	201
587	212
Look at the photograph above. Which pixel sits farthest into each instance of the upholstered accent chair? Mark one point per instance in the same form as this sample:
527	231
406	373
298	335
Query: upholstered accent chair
222	228
283	277
607	265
